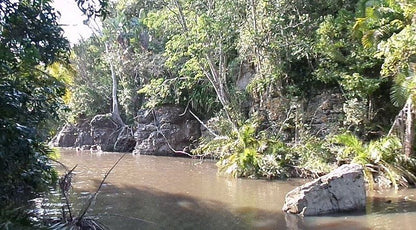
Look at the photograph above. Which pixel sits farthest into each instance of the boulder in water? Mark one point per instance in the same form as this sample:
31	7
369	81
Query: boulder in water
341	190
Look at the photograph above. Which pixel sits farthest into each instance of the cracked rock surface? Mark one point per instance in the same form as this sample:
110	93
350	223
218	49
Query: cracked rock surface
341	190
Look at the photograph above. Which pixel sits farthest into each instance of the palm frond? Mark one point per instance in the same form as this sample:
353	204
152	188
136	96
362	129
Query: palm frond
368	39
398	95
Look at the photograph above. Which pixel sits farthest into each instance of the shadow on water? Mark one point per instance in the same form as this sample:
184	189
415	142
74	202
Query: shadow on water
389	205
147	208
147	192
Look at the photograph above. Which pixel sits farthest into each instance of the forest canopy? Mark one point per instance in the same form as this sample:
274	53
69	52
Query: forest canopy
252	69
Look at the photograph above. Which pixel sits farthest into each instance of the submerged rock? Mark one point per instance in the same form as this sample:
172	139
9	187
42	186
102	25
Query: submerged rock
341	190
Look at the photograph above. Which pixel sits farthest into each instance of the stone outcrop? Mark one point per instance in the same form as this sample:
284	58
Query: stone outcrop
158	132
78	135
321	112
103	130
341	190
163	129
100	133
324	112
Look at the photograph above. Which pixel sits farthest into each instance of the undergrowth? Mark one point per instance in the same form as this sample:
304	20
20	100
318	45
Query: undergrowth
250	152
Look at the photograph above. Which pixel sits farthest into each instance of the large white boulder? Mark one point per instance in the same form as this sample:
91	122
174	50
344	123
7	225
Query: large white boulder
341	190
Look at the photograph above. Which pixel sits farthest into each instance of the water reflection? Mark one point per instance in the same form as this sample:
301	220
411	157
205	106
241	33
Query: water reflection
146	192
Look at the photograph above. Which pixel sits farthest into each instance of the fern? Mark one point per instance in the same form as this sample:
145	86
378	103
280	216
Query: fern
385	153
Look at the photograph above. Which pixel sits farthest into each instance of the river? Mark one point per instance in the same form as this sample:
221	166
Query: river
149	192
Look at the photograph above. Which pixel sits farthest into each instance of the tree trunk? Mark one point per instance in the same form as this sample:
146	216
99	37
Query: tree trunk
181	16
115	113
409	132
256	48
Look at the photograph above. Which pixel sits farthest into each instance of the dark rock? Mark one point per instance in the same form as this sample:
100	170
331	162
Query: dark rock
104	131
125	141
74	135
157	132
323	112
170	128
66	137
100	133
109	136
341	190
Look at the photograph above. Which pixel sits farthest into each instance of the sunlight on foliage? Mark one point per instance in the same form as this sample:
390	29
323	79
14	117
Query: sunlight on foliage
385	155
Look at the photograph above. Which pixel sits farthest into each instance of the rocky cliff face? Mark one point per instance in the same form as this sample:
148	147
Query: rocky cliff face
166	130
74	135
109	136
99	133
321	112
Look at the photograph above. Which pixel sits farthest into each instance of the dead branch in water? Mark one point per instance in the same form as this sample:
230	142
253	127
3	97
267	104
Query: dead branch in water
65	184
79	222
98	189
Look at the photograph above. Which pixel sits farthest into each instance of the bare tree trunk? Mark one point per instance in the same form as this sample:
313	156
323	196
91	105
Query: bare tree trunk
256	48
182	16
115	114
217	77
409	133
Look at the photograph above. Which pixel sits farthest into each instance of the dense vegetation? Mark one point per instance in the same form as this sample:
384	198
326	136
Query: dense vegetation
30	98
31	42
247	68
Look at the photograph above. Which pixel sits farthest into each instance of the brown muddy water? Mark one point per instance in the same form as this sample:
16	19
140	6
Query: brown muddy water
148	192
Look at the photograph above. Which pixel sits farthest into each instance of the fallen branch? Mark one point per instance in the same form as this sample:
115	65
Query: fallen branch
98	189
65	184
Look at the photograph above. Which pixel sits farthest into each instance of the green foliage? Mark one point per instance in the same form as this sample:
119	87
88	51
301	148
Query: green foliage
342	58
90	91
355	112
247	153
30	98
378	20
14	218
399	52
357	86
30	35
201	55
314	156
390	25
157	92
385	154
